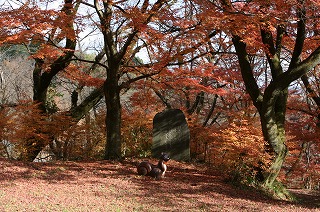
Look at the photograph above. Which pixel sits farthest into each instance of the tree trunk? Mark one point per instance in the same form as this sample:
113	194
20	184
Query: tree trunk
32	147
113	119
276	139
272	115
39	91
272	108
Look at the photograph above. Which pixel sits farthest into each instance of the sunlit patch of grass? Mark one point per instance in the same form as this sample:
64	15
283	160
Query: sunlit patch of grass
138	208
2	194
204	207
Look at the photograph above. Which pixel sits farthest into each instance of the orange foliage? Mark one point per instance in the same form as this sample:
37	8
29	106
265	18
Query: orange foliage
67	139
28	122
76	74
137	134
24	122
25	23
238	148
78	141
302	166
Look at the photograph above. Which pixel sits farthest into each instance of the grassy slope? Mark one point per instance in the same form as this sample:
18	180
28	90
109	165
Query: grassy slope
113	186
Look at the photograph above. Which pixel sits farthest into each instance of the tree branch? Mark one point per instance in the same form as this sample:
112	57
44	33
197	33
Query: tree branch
301	33
247	72
272	52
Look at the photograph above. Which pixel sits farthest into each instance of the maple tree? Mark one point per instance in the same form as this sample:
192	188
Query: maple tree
50	38
42	78
35	27
271	30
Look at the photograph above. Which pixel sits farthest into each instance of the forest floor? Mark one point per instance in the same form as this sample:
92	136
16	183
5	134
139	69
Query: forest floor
115	186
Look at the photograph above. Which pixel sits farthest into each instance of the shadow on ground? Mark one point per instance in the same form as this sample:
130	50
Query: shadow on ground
185	185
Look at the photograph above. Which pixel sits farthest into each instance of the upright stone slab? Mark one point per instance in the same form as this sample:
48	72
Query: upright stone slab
171	135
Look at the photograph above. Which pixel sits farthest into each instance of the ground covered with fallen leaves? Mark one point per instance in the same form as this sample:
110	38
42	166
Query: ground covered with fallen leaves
115	186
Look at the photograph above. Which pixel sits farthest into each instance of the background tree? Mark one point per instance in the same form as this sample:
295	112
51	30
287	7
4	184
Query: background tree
128	28
42	78
51	43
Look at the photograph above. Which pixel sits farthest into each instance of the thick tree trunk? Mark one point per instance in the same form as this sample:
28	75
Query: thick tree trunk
32	147
113	120
39	91
272	108
274	133
272	115
276	139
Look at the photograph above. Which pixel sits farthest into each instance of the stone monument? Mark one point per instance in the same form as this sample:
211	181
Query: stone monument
171	135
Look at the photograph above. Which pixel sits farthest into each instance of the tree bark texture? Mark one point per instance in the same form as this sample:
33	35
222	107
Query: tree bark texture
113	119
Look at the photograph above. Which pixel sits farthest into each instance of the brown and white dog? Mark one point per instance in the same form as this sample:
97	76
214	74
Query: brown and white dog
155	171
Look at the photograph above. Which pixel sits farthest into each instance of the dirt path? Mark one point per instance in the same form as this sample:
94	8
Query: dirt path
113	186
